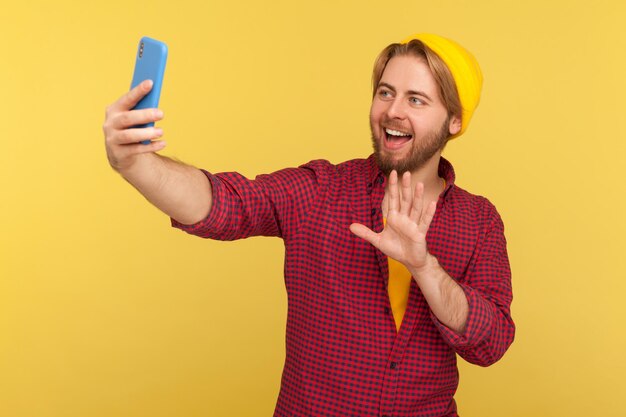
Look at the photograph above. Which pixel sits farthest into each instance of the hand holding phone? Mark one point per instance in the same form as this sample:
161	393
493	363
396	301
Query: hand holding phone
149	64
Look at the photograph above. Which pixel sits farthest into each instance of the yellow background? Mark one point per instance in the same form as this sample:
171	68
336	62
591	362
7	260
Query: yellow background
107	311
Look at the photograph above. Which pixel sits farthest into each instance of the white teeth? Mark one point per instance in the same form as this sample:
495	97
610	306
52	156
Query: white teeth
396	133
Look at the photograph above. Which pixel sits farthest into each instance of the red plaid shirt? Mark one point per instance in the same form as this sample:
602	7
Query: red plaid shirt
344	355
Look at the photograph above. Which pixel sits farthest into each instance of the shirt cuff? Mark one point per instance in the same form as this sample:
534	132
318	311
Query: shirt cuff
215	221
477	327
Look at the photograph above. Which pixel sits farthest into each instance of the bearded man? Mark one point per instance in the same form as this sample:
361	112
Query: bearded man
391	269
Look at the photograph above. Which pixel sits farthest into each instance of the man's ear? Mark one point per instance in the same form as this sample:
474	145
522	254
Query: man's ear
455	125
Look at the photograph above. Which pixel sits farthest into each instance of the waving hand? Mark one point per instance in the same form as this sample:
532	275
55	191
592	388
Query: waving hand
404	235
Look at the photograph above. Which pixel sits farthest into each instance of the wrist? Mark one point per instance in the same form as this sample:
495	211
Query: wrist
429	270
137	167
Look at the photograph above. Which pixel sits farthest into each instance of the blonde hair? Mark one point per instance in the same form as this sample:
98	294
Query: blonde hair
443	77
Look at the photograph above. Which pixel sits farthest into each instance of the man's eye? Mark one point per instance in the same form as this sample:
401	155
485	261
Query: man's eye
416	100
384	93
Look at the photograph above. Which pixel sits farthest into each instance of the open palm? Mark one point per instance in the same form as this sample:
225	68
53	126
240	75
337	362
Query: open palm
404	235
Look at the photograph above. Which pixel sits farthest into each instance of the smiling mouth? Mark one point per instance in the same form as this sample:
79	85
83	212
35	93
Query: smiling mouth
396	138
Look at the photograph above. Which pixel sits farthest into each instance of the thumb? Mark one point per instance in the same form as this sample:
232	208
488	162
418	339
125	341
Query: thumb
365	233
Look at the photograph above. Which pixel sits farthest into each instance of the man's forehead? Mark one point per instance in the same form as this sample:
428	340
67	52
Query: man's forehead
407	73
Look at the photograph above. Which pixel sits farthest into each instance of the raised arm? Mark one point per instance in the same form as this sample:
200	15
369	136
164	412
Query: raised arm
472	317
181	191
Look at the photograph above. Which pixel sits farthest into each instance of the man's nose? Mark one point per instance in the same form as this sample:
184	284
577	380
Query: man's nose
396	109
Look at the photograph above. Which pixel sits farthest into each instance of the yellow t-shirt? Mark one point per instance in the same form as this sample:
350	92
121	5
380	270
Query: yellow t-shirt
398	287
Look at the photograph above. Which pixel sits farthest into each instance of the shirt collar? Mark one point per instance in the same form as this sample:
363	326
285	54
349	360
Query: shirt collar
375	174
446	171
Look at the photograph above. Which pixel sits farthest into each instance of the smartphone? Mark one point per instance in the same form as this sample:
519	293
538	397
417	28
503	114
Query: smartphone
149	64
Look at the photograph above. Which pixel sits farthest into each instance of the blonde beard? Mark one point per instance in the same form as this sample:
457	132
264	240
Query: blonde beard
421	152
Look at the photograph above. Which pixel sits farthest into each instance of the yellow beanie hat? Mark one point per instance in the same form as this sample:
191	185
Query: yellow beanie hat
464	69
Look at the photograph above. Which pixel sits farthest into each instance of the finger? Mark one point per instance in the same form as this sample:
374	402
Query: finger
130	99
136	149
384	207
132	118
428	216
406	195
393	192
130	136
418	202
365	233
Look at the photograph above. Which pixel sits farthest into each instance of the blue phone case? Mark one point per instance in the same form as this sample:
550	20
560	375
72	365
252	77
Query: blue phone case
149	64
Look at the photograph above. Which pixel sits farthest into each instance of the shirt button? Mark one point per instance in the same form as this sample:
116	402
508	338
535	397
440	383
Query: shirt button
393	365
381	180
387	310
373	212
